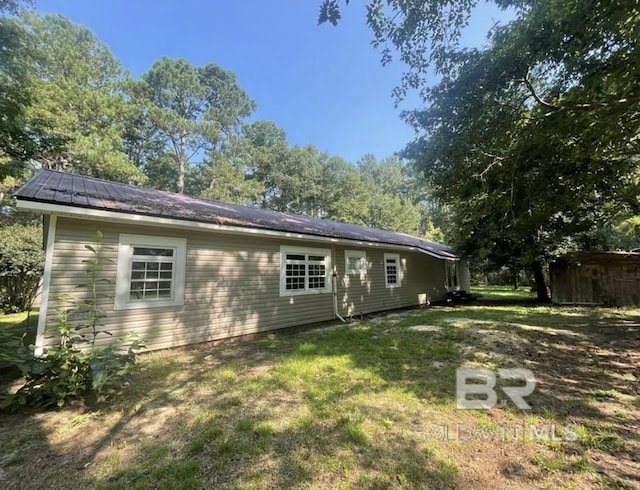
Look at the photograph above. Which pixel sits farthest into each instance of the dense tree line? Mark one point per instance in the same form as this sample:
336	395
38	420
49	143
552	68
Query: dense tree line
68	104
532	141
527	148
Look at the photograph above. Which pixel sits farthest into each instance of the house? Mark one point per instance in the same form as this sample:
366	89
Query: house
183	270
595	278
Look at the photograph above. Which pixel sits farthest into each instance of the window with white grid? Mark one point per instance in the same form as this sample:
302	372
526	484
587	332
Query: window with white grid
392	274
304	270
150	271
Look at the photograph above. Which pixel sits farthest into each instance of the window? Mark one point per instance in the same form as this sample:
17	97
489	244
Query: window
355	262
392	277
304	271
150	271
451	274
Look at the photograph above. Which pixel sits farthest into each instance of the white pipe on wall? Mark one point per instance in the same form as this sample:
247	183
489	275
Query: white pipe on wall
335	298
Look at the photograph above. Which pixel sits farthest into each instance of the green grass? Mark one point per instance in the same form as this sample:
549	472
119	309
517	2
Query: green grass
18	324
14	329
502	292
354	407
18	321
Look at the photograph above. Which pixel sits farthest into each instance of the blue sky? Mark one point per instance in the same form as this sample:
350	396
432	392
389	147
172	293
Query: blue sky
322	85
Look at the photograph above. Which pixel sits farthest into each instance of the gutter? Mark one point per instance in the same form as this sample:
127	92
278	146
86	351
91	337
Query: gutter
335	299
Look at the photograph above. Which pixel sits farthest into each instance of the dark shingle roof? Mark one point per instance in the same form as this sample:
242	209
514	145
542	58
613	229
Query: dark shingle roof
87	192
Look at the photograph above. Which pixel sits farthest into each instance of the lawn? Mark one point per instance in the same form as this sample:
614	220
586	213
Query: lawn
359	406
19	322
15	328
502	293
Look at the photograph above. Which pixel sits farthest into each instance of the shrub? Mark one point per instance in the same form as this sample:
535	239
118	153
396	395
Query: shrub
21	264
76	367
13	352
65	372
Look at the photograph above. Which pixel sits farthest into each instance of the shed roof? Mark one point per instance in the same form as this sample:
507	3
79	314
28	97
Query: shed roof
80	191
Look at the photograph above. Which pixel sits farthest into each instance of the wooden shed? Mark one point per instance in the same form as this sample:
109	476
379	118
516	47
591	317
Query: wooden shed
596	278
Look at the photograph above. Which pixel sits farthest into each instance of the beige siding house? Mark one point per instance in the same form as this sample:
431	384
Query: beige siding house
182	270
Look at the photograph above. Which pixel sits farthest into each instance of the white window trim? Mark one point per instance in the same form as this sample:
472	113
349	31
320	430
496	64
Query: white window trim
123	270
287	249
360	254
399	271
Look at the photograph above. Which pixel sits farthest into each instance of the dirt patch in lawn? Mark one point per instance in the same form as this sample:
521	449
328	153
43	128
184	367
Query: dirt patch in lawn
371	405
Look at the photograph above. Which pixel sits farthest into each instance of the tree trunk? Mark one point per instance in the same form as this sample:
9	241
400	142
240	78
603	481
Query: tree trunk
540	284
514	277
181	172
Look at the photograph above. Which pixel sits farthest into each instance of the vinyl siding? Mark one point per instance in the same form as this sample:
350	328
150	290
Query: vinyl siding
232	285
421	274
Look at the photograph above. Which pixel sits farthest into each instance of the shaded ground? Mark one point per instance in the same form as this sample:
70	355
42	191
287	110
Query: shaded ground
371	405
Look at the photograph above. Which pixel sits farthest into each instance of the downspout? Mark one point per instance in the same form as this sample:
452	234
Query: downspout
335	286
335	298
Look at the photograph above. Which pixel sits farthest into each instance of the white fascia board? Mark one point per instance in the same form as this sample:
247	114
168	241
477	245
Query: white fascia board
132	218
